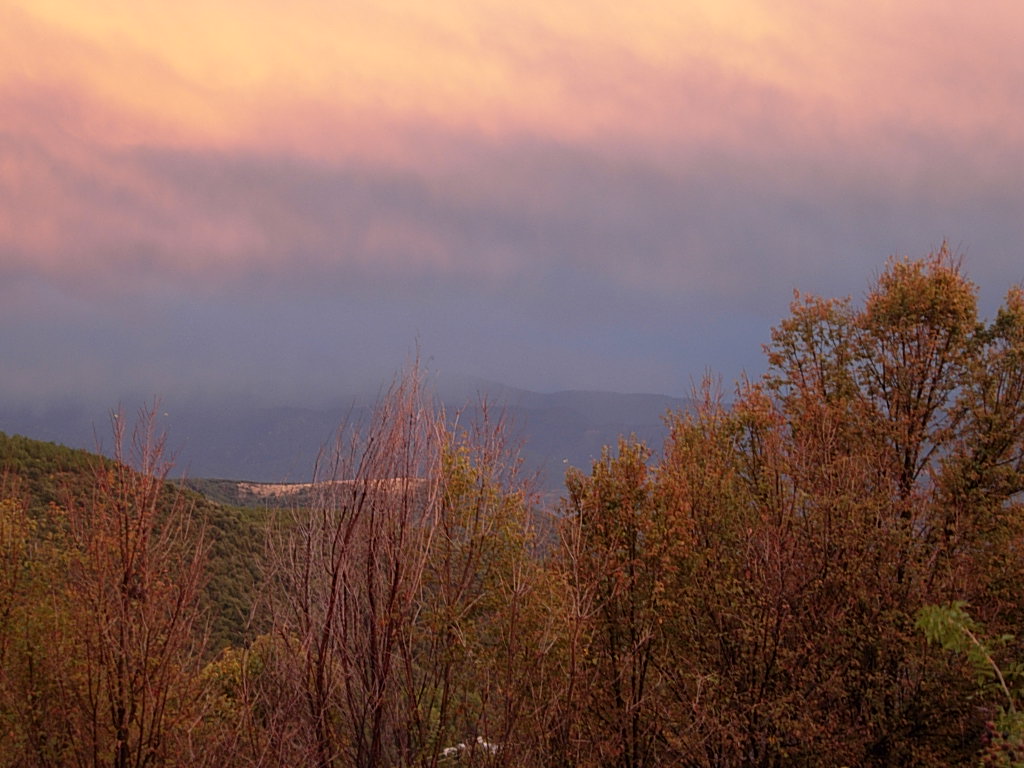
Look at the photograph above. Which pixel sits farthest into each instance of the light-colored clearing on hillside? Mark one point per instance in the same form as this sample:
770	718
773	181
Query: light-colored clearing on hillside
273	490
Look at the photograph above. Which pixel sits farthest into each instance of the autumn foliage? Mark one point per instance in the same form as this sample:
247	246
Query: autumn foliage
751	595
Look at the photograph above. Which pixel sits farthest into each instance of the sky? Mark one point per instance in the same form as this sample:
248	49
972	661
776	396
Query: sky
284	201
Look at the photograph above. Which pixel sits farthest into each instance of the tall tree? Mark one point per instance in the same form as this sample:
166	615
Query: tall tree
898	413
400	600
128	615
624	547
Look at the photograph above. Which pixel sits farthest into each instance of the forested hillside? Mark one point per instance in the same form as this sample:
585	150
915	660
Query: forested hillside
40	482
826	571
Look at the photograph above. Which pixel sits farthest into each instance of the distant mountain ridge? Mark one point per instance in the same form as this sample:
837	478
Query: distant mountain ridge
281	444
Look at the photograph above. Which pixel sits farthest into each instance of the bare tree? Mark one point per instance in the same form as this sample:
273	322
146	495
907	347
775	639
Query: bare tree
398	599
130	611
346	575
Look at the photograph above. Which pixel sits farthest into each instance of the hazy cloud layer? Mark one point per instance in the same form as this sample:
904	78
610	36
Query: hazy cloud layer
280	201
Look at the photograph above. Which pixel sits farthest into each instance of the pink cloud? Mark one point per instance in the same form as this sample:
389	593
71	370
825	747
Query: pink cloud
449	138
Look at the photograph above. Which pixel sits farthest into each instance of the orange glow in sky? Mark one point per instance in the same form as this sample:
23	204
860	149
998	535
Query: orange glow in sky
299	74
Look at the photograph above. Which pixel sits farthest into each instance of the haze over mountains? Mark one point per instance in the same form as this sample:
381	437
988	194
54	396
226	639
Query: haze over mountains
281	443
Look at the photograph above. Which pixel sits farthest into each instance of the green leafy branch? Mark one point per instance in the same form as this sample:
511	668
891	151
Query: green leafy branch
952	627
